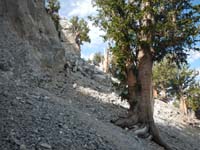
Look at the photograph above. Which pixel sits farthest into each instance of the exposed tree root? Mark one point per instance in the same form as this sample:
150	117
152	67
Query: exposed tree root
148	130
156	137
134	127
142	132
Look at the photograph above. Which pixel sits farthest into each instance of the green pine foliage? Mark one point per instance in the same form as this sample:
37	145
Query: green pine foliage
171	27
177	81
163	72
181	81
121	21
98	58
81	29
194	97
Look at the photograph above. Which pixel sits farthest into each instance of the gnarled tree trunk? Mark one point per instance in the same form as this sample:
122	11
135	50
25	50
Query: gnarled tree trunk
145	82
145	106
140	117
132	87
183	105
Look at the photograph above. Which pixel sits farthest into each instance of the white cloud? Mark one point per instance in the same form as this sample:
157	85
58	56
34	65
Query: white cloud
193	56
82	8
85	57
97	43
95	34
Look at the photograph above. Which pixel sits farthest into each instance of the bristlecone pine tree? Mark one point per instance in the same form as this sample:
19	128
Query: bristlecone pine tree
193	96
181	84
98	58
81	30
163	73
177	81
144	31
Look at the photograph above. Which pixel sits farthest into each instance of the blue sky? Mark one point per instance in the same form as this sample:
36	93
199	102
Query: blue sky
83	8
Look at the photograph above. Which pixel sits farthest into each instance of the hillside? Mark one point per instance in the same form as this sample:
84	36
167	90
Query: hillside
51	99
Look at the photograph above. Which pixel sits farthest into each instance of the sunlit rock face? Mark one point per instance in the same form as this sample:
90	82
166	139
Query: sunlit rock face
27	22
67	38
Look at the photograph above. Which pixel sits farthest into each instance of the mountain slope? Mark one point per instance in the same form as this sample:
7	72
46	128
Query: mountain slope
52	101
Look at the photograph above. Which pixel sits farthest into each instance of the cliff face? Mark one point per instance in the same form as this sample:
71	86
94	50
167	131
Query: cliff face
26	22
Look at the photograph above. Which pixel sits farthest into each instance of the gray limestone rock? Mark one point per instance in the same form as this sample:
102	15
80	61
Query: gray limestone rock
68	37
31	23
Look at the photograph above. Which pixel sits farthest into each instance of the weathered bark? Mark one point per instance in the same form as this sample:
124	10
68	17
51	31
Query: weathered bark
106	61
145	81
132	118
140	117
132	87
145	110
183	105
77	40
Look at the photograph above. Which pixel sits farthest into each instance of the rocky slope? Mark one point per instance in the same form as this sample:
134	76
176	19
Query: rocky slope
53	101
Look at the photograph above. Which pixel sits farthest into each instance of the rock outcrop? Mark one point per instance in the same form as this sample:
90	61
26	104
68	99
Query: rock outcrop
67	38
